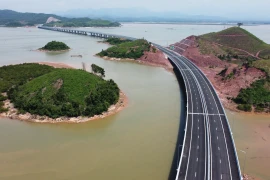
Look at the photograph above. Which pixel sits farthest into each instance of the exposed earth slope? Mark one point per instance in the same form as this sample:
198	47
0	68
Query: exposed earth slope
236	62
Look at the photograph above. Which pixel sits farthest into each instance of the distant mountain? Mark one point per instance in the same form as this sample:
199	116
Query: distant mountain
145	15
16	19
8	17
139	15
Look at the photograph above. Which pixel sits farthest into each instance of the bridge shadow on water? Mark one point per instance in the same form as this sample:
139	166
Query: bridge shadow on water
181	131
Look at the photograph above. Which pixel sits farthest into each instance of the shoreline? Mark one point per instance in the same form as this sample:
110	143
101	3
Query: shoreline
137	61
43	50
55	65
12	113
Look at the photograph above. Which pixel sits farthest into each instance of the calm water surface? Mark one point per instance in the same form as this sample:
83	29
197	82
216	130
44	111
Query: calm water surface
137	143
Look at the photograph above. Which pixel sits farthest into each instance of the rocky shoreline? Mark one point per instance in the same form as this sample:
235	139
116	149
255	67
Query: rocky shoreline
13	113
42	50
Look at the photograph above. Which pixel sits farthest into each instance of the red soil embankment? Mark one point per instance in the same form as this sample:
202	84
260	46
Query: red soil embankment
156	58
211	65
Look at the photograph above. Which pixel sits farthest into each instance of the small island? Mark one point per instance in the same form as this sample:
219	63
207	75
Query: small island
139	50
55	46
41	93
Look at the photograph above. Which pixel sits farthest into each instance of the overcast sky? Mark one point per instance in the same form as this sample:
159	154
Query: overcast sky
254	9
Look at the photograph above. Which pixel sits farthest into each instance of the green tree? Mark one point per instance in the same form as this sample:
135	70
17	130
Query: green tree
239	24
98	70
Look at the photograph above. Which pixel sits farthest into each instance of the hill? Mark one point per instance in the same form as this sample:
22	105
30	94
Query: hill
15	75
8	17
236	40
65	92
11	18
236	62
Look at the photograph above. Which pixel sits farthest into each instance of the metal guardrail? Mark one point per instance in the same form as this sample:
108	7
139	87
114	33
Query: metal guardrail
182	152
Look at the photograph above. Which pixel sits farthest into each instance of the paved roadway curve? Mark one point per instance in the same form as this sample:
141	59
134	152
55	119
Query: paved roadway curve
208	151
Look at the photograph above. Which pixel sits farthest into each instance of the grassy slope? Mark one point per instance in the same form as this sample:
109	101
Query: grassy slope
133	49
263	65
15	75
77	84
245	40
66	92
258	94
18	74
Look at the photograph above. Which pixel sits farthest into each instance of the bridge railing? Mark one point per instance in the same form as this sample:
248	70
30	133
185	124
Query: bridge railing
92	33
185	128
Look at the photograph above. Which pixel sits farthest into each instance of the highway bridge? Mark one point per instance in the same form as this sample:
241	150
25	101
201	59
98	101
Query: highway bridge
208	151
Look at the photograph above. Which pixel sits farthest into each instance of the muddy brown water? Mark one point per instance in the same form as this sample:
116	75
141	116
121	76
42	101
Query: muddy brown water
137	143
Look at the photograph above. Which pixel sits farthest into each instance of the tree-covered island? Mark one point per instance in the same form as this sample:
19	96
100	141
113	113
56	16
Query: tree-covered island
125	48
50	92
55	46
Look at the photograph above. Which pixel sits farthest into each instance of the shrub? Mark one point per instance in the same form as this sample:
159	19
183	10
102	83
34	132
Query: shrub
245	107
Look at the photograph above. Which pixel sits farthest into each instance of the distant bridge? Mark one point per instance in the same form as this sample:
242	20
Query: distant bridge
208	149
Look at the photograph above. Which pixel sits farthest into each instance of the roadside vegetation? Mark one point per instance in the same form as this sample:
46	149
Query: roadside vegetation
257	95
133	49
55	46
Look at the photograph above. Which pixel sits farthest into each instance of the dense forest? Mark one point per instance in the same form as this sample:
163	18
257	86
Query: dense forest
43	90
133	49
55	46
